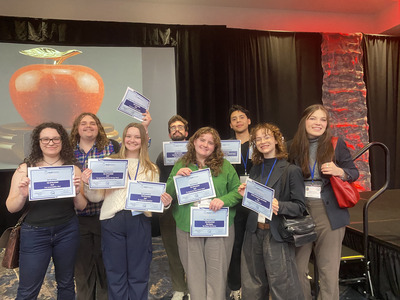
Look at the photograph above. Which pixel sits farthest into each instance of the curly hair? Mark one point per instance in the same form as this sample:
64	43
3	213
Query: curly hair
299	149
280	147
101	139
36	155
144	158
216	158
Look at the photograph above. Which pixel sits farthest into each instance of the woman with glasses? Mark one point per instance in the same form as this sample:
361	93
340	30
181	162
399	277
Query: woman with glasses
268	263
205	259
126	234
50	229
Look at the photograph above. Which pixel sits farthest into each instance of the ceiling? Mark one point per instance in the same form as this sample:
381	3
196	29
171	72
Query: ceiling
345	16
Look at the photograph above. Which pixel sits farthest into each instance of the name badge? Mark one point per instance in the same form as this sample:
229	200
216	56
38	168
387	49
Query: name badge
313	191
243	178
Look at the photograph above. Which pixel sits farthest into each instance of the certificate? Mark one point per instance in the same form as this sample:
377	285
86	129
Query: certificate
145	196
206	223
51	182
172	151
134	104
232	150
258	197
197	186
107	173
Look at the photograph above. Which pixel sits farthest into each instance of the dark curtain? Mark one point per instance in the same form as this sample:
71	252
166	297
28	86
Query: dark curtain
382	78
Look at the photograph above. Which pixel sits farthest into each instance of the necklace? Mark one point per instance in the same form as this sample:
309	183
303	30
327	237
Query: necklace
50	164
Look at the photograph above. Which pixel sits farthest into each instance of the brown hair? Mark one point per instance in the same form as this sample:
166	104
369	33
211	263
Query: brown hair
215	160
280	147
177	118
101	139
299	150
144	158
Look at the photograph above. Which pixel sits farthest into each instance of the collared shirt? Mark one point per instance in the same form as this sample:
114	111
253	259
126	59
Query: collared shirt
92	208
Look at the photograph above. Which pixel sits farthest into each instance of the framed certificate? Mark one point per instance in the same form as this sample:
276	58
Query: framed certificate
107	173
172	151
258	197
134	104
145	196
51	182
206	223
197	186
232	150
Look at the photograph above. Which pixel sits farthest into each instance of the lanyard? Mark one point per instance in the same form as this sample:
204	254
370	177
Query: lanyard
137	170
245	161
312	172
270	172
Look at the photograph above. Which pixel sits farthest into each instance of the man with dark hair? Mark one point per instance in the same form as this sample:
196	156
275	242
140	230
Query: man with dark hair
239	121
178	131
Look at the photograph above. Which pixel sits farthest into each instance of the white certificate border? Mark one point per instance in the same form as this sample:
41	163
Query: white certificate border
122	103
164	151
238	160
145	182
34	169
217	235
112	160
176	178
244	202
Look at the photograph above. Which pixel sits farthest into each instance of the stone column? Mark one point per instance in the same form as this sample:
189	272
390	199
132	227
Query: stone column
343	94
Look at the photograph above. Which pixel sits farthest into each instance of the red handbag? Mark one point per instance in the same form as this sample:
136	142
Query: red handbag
346	193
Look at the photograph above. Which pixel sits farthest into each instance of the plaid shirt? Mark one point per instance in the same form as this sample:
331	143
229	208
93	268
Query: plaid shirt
91	208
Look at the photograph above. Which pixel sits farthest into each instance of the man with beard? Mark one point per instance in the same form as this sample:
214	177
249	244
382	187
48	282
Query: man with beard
239	121
178	131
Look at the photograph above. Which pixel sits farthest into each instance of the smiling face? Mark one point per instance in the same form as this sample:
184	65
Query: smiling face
239	121
50	142
204	146
177	131
266	143
132	141
88	128
316	124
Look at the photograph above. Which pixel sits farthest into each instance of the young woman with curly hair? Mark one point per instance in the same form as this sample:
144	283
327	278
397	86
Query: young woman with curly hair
205	259
268	263
50	229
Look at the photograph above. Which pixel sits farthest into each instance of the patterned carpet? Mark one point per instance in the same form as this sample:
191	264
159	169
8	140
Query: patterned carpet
160	283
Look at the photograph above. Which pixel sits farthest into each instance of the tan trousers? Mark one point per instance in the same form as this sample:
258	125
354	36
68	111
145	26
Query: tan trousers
327	249
206	263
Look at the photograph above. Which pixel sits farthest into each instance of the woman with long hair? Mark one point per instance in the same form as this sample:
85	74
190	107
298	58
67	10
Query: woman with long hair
205	259
50	229
126	234
312	150
268	263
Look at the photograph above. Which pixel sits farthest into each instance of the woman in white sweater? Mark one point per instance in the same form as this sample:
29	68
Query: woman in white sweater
126	234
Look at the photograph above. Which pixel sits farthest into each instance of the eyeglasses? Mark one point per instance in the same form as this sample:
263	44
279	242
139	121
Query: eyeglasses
46	141
264	138
179	127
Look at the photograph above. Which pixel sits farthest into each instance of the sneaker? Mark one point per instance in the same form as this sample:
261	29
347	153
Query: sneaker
188	296
236	295
178	296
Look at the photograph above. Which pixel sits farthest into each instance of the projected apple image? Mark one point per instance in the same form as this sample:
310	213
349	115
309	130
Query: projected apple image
50	92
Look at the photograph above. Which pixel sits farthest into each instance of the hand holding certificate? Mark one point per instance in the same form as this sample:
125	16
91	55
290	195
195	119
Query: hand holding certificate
145	196
258	197
108	173
134	104
51	182
194	187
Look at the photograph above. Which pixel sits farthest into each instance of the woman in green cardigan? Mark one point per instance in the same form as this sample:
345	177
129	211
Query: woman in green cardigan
205	259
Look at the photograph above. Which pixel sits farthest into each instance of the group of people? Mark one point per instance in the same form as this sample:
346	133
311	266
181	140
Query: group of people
109	248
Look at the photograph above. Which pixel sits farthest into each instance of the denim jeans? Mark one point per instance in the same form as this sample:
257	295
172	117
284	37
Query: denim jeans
38	245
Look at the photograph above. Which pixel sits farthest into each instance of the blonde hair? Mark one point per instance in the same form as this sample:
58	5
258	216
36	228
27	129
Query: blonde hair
144	159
